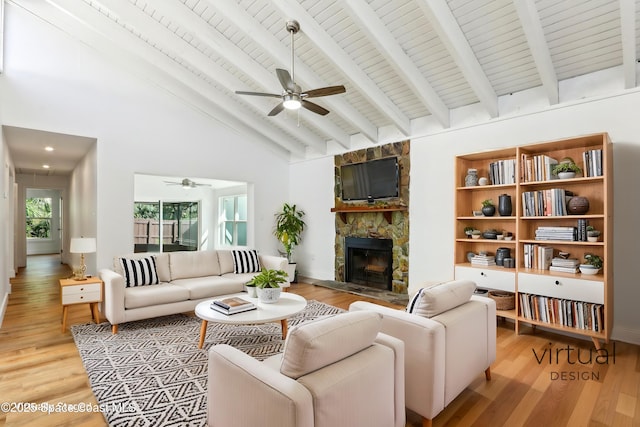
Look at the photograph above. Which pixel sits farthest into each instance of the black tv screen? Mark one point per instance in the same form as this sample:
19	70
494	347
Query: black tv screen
375	179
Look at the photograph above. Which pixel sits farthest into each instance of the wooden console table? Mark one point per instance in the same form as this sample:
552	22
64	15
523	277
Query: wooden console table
386	210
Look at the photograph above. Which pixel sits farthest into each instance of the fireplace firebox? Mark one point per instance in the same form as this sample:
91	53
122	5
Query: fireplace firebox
369	262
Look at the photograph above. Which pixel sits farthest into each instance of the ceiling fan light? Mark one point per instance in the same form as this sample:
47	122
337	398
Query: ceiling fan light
291	102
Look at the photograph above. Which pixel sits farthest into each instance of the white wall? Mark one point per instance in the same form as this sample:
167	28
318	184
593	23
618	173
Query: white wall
54	83
82	209
6	228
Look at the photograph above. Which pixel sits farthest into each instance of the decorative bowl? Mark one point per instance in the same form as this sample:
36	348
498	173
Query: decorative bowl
588	269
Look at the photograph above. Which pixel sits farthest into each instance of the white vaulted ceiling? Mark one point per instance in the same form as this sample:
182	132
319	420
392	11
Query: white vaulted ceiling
401	61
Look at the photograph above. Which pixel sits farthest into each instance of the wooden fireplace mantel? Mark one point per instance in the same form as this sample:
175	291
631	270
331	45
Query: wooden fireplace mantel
386	211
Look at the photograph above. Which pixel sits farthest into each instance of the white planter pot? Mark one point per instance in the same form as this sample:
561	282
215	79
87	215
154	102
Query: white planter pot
252	291
291	271
588	269
269	295
566	175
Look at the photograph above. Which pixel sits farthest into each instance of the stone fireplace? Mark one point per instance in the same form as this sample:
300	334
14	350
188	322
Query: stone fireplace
365	230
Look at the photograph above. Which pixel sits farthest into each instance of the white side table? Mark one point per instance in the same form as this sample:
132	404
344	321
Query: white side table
81	292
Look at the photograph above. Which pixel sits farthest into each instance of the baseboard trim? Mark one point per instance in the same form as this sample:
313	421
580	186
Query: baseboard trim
3	306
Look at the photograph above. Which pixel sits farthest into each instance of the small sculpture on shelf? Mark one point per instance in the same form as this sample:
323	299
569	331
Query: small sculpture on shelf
475	234
488	208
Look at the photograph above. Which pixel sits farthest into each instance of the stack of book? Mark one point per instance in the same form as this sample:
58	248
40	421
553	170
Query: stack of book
562	265
551	202
556	233
483	260
232	305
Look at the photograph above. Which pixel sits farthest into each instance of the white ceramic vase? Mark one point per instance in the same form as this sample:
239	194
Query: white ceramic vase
269	295
252	291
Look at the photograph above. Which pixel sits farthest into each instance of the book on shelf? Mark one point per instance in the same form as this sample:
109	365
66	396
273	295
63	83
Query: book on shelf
232	305
556	233
561	269
574	314
592	160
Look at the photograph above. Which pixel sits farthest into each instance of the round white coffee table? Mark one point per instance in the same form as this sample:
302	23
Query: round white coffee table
288	305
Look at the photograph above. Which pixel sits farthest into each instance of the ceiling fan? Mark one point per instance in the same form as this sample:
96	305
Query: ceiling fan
292	95
187	183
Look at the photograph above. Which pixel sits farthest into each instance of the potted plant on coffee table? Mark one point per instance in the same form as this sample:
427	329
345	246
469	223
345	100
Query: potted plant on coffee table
267	283
288	230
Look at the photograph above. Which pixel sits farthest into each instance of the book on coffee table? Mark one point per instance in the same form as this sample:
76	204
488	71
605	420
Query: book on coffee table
232	305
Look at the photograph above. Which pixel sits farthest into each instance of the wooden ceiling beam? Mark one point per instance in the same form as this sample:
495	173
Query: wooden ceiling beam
447	28
628	35
362	13
532	27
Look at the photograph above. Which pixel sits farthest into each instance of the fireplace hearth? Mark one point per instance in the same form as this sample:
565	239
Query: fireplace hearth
369	262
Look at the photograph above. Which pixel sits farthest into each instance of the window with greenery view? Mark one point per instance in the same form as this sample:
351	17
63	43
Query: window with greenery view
233	220
177	229
38	215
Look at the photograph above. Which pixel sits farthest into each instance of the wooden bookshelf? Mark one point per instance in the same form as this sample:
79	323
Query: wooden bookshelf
594	290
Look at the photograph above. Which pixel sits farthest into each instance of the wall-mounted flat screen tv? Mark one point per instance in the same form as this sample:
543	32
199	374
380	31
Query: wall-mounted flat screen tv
375	179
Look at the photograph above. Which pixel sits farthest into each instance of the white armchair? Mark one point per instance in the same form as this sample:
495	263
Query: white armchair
336	371
443	353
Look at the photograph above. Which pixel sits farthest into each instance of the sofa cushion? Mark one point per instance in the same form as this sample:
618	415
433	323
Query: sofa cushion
315	344
146	296
139	272
245	261
162	264
210	286
186	264
429	302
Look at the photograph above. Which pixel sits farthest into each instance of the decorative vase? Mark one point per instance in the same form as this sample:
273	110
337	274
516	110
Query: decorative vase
504	205
269	295
578	205
251	291
489	210
471	180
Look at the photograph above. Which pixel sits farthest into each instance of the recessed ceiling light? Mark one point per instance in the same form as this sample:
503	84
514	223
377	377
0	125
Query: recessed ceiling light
46	166
48	148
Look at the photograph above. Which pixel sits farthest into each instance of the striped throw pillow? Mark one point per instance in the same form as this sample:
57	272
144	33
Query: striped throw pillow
246	261
139	272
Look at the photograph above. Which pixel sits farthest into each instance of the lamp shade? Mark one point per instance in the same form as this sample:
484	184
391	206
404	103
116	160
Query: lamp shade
82	245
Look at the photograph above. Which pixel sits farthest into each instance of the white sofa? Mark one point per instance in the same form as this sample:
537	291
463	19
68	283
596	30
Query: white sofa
185	279
334	372
446	352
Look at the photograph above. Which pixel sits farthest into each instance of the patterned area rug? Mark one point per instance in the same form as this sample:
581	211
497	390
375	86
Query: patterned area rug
152	373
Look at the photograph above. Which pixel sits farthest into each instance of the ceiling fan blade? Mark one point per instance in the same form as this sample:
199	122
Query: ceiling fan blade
324	91
315	108
285	80
276	110
273	95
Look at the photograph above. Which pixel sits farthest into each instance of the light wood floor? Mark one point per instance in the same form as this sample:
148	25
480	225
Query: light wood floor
39	363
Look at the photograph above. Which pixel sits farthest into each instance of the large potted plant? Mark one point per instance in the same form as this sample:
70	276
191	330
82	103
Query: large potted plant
288	230
267	283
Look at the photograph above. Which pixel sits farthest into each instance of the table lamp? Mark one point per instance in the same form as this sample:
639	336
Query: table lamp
82	245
